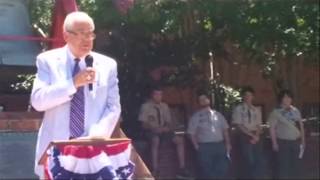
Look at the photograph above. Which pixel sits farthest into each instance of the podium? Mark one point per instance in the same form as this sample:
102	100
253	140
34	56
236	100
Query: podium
84	146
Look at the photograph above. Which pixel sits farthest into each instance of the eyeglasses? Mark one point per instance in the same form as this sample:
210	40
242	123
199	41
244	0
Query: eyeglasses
84	35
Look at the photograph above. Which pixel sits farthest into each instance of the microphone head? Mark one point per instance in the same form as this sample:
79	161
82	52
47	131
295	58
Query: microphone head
89	60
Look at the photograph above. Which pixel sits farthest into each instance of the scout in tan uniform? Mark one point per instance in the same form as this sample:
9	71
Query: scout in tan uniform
208	130
156	118
286	137
247	118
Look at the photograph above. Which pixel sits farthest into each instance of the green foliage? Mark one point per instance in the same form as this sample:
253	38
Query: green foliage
232	96
276	30
24	84
269	31
291	25
226	98
103	11
41	13
163	16
181	33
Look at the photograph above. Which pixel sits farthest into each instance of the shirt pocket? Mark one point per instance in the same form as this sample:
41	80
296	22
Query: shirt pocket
101	80
100	87
204	124
244	116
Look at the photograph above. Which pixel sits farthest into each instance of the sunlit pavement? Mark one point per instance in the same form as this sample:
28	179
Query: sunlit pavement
17	155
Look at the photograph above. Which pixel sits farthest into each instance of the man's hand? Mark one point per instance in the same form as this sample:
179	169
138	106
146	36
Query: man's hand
161	130
165	129
255	139
84	77
303	143
157	130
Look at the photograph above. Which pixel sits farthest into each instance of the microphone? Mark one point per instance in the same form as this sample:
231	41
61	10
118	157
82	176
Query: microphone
89	61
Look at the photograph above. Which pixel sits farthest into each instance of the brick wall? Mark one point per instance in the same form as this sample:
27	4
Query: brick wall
14	102
20	121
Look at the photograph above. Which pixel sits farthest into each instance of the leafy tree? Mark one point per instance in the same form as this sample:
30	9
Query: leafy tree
41	13
185	34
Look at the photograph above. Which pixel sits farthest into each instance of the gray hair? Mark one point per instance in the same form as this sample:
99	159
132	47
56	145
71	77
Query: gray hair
77	16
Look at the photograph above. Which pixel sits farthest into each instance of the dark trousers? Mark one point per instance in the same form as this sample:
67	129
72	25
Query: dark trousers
212	160
253	158
288	159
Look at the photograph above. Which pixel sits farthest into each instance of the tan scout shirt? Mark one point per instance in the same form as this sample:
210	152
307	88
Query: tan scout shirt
249	117
156	115
284	122
207	126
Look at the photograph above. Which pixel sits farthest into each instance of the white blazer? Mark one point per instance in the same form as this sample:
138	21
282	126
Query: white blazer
53	89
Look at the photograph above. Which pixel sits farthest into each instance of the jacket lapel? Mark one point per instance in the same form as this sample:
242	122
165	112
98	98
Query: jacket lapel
64	70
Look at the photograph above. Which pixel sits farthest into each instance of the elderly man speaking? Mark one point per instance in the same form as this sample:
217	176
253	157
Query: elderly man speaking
75	87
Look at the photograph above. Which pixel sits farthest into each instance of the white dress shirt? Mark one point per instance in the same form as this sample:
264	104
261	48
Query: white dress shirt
53	89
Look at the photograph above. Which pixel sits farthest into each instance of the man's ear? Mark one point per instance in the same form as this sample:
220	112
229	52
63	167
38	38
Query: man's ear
65	36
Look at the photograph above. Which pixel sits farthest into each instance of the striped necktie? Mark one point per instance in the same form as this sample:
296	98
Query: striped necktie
77	108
